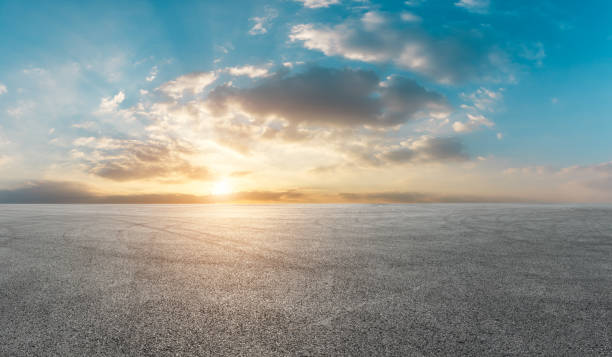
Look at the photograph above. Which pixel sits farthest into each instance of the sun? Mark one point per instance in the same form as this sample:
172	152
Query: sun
221	188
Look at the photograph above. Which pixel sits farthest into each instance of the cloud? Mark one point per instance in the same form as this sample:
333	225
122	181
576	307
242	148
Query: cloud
271	196
192	84
331	98
428	149
414	2
475	6
261	22
87	125
324	169
110	104
4	159
314	4
410	17
23	108
373	20
152	74
3	138
250	71
47	192
600	176
473	123
534	52
292	64
3	89
419	197
579	183
240	173
127	160
70	192
380	38
483	99
352	114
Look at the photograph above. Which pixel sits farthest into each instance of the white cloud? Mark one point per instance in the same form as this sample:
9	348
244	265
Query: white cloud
476	6
261	22
380	38
85	125
110	104
331	41
500	136
414	2
4	159
258	28
193	83
313	4
34	71
473	123
483	99
293	64
534	52
222	49
22	108
3	139
250	71
3	89
372	20
580	183
152	74
410	17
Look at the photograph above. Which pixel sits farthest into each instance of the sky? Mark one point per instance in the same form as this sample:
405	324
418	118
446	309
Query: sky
305	101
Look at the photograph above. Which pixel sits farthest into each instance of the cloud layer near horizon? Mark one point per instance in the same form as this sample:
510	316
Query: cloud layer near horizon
55	192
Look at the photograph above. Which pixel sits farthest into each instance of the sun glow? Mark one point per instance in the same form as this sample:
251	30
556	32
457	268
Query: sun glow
221	188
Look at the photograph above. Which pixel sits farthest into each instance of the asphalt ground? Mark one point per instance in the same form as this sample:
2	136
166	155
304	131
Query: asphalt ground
398	280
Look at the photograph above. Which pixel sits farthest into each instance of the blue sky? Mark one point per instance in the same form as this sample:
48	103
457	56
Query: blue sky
486	99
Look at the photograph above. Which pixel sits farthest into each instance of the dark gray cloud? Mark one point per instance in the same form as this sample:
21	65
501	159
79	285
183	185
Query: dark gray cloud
330	97
68	192
71	192
47	192
386	38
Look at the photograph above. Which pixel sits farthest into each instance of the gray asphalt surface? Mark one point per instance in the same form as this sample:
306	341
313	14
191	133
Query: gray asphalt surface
305	280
